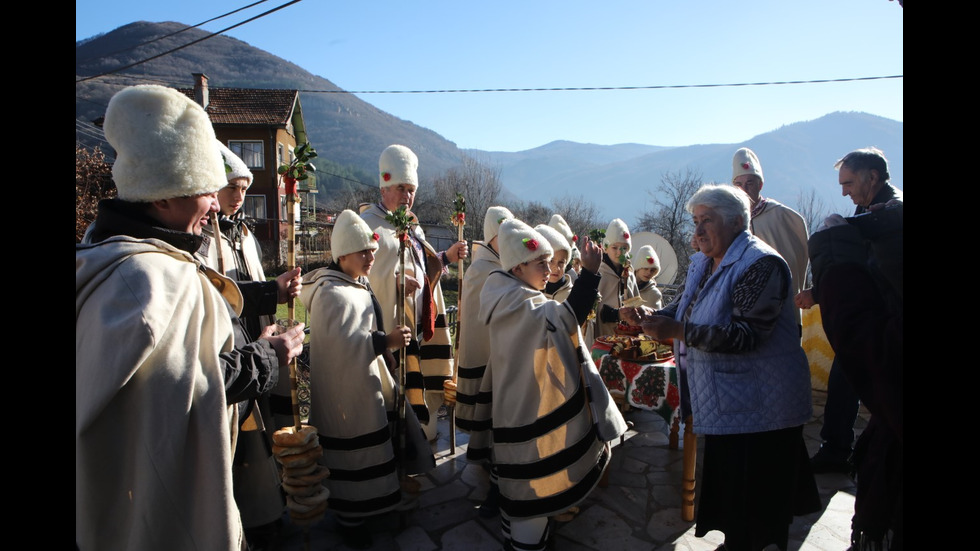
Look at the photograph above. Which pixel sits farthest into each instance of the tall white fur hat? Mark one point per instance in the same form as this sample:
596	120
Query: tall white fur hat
556	239
646	257
492	220
617	232
234	166
744	162
350	235
398	165
164	145
519	243
559	223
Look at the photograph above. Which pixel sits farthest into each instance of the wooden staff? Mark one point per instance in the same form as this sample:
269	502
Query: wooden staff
690	463
458	220
400	315
292	201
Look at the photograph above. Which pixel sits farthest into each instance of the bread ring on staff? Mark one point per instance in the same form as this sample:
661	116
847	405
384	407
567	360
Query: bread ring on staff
287	436
634	302
300	459
313	477
301	490
282	451
299	471
312	513
319	497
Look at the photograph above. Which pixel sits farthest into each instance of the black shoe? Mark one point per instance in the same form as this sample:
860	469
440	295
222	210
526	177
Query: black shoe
825	461
491	505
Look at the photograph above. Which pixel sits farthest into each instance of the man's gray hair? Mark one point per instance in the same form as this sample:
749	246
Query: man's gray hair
728	201
865	159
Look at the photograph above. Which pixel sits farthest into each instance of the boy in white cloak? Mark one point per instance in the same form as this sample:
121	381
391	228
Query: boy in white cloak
550	413
559	282
352	393
618	281
647	265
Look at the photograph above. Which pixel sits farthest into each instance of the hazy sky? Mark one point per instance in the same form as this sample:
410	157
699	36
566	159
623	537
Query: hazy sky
388	45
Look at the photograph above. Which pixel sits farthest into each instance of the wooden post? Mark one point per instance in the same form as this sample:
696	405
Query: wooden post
690	465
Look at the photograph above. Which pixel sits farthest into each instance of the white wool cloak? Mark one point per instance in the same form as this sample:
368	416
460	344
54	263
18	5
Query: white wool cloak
783	229
351	392
474	338
548	445
152	430
433	359
609	296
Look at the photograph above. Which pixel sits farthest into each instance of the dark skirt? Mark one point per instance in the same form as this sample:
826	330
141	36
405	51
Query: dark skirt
753	484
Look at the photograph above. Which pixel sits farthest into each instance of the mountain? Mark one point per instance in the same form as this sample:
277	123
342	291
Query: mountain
620	179
341	127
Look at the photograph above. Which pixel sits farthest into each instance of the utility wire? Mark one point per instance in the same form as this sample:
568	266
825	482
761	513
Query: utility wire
202	39
152	40
598	88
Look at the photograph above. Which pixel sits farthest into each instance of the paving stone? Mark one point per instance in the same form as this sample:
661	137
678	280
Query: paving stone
471	536
600	528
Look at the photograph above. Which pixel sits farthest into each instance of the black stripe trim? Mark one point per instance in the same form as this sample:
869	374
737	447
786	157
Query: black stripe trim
413	347
484	398
436	352
421	412
441	321
478	454
413	379
473	426
551	464
542	425
434	382
366	506
471	372
535	507
361	441
367	473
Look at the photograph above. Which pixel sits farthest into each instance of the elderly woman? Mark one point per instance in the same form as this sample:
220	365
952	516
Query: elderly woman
749	380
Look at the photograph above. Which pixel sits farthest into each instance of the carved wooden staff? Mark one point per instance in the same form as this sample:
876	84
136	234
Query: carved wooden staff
449	386
399	220
292	201
216	232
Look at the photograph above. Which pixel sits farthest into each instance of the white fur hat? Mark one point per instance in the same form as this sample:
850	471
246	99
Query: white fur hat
746	162
559	223
398	165
519	243
492	220
646	257
557	240
350	235
234	166
617	232
164	145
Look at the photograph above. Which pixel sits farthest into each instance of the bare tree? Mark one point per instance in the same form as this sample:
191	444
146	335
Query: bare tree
531	212
351	197
812	208
478	183
580	213
93	182
669	217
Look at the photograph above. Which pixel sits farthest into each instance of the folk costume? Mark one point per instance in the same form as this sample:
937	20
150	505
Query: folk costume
352	400
550	414
617	283
154	346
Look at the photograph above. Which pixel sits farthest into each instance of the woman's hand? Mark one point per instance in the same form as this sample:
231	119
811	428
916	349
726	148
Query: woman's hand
663	328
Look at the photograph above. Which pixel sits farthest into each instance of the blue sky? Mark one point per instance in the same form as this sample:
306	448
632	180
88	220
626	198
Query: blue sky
389	45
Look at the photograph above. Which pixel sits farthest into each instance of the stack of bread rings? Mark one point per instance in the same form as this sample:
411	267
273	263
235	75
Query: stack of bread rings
302	476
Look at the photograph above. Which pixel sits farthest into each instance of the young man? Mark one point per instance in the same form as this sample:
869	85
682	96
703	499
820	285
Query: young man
157	371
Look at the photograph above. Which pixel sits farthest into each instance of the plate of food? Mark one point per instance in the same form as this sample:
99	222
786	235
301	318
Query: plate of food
637	348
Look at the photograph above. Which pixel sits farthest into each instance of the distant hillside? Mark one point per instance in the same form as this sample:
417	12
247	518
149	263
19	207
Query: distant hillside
619	178
341	127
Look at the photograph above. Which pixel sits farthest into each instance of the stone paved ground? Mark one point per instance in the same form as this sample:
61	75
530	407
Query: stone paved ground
638	510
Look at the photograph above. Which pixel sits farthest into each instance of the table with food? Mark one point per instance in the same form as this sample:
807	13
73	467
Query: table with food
640	372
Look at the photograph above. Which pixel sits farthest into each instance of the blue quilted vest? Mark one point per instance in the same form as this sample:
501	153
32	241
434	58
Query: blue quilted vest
764	389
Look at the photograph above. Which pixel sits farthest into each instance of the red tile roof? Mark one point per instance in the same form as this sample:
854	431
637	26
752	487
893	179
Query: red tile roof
248	105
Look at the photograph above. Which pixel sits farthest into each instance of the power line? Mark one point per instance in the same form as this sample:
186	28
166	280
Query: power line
600	88
202	39
152	40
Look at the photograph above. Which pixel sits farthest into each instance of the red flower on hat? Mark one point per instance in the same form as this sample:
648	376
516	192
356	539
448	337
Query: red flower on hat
386	176
531	244
574	239
626	235
649	260
745	166
375	236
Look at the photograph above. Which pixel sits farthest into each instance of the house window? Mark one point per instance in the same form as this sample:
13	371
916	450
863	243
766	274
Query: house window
255	207
280	159
252	152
